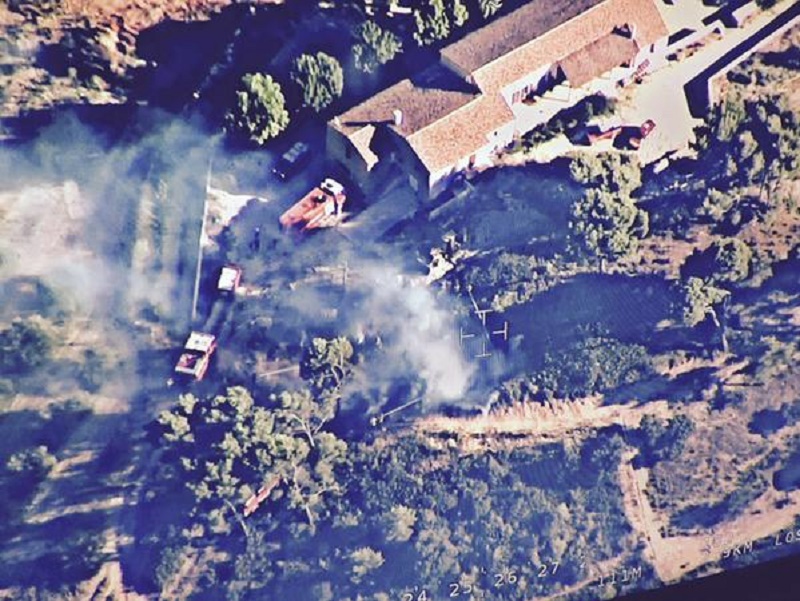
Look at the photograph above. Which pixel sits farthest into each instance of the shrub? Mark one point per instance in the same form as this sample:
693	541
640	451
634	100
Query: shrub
598	364
24	346
320	79
260	109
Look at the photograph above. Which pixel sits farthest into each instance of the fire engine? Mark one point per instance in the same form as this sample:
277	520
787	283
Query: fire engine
196	355
322	207
230	276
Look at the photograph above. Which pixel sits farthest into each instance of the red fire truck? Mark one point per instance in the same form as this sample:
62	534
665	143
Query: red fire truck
321	207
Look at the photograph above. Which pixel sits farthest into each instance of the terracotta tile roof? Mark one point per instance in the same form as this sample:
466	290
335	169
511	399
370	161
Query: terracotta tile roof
511	31
461	133
570	37
432	95
444	120
598	57
435	94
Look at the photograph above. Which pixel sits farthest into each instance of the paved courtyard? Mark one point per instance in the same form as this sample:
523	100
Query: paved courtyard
661	95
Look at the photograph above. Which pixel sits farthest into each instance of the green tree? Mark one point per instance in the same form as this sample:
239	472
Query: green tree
400	521
606	225
432	23
610	171
320	79
700	301
731	260
717	203
663	440
376	46
327	362
489	7
259	111
229	446
363	561
299	407
24	346
460	13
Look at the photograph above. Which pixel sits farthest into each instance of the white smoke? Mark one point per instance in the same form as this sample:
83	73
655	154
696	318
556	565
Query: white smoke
68	203
419	329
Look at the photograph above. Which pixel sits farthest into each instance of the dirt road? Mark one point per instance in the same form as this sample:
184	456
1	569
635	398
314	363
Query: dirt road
674	556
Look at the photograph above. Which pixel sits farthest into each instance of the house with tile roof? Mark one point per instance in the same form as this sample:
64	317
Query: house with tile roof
496	83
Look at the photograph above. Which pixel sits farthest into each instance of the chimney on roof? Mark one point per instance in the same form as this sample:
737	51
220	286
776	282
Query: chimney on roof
398	117
627	30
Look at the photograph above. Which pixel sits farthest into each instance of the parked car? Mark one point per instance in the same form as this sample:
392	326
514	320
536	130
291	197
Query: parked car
644	130
647	128
292	161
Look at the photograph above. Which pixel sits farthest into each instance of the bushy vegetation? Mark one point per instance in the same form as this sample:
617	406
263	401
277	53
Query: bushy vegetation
726	261
320	79
489	7
376	46
701	300
606	221
514	278
661	440
749	485
229	446
24	346
607	225
764	137
28	446
610	171
259	112
508	513
435	20
594	365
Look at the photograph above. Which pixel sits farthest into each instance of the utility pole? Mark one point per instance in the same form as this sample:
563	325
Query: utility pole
502	332
196	293
462	336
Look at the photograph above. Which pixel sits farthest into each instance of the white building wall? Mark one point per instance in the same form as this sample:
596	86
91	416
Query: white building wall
482	158
531	79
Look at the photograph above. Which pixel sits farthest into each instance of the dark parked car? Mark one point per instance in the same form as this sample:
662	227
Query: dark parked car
292	161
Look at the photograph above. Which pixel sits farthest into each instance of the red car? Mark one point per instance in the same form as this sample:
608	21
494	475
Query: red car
644	130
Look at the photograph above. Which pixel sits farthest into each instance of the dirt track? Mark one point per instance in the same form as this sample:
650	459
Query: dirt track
551	420
138	15
674	556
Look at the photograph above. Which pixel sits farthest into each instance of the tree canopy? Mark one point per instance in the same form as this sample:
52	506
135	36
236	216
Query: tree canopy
326	363
24	346
229	446
259	111
597	364
434	21
376	46
489	7
610	171
731	260
320	79
607	225
700	300
725	261
663	440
